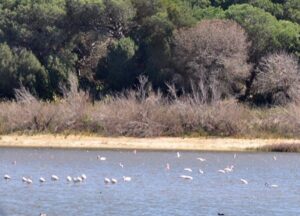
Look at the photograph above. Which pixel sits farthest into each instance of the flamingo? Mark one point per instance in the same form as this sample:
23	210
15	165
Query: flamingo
29	181
188	169
121	165
126	178
83	176
24	179
221	171
201	159
201	171
167	166
69	178
101	158
229	169
186	177
42	180
7	177
54	178
114	181
272	185
178	155
77	179
106	180
244	181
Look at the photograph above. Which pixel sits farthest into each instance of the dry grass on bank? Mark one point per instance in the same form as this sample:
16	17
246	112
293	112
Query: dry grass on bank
144	113
282	147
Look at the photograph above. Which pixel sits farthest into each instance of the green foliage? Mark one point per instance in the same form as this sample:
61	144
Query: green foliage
292	10
209	13
265	31
116	70
108	42
21	68
274	8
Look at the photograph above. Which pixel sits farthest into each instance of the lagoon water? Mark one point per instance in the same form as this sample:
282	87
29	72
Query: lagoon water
153	189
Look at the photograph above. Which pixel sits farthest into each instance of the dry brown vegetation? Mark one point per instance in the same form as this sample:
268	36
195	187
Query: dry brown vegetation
277	79
283	147
214	53
145	113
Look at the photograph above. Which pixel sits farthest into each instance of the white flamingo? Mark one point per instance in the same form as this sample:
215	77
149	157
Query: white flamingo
114	181
201	159
77	179
272	185
69	178
201	171
126	178
244	181
83	176
188	169
167	166
29	181
54	178
101	158
221	171
106	180
42	180
121	165
178	155
186	177
7	177
229	169
24	179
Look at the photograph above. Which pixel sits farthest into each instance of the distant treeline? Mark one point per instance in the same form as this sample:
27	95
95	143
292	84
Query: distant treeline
245	49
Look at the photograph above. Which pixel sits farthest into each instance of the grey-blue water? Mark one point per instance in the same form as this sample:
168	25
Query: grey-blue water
153	189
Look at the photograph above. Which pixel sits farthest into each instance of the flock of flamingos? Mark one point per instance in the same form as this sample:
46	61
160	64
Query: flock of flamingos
83	177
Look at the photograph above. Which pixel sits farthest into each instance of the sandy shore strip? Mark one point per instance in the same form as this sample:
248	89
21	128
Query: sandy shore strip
159	143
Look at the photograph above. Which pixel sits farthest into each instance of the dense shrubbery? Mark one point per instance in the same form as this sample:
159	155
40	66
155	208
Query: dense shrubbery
109	43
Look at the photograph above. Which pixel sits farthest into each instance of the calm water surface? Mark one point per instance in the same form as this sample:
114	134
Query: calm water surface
153	189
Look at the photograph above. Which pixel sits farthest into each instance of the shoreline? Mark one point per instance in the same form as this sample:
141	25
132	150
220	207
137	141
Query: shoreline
130	143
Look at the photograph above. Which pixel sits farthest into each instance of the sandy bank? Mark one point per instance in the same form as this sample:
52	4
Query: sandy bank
160	143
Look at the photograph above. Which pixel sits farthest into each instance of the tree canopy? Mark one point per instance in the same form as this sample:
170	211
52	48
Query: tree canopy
107	44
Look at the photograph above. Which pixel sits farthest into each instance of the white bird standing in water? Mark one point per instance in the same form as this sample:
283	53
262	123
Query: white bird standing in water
274	157
167	166
229	169
54	178
186	177
201	159
126	178
83	176
121	165
201	171
188	169
24	179
221	171
69	178
244	181
7	177
114	181
42	180
101	158
106	180
77	179
272	185
178	155
29	181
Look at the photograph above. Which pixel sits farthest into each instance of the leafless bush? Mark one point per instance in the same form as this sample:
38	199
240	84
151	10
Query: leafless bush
145	113
277	79
213	54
